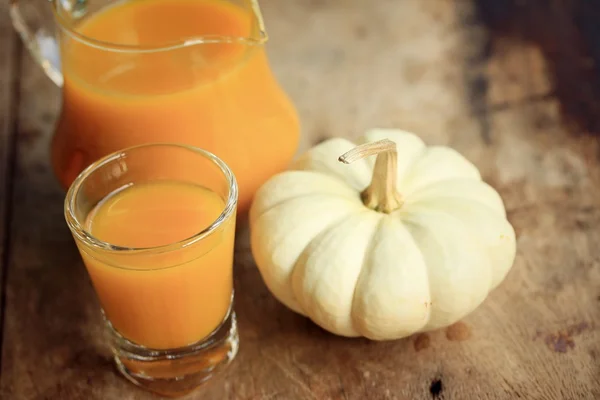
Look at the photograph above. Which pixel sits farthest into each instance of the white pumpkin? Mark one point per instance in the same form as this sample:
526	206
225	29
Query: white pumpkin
341	245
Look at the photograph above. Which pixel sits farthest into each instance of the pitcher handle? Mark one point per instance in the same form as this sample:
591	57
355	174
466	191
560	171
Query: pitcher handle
35	25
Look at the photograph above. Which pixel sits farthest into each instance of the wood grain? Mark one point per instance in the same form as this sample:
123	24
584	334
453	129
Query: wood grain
9	58
432	67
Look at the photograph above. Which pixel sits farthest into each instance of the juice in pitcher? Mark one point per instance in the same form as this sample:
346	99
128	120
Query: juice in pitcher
186	71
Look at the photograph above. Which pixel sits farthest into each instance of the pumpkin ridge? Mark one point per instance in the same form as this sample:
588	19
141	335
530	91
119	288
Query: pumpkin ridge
427	273
441	181
314	158
448	159
495	278
366	256
369	315
498	271
268	258
421	194
401	177
340	197
354	184
280	179
434	234
317	237
430	202
302	260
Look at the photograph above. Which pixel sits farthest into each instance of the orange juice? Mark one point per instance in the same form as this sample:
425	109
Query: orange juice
170	298
219	95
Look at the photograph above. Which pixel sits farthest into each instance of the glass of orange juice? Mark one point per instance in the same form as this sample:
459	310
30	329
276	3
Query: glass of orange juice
155	227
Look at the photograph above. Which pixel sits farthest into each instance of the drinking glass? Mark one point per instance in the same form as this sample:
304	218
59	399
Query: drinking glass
169	308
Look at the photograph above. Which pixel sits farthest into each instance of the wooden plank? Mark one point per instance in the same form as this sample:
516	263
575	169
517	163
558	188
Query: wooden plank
430	67
9	53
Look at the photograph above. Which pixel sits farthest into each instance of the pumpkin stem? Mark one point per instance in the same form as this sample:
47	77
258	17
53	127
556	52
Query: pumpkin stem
381	195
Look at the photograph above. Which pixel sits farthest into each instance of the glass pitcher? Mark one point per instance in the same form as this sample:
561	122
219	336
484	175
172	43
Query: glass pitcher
141	71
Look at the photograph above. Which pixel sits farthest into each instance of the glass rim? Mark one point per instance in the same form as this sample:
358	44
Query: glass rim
260	39
78	230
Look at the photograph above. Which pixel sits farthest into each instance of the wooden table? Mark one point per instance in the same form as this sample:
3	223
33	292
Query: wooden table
514	86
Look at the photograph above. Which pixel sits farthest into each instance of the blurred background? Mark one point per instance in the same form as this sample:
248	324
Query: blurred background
514	85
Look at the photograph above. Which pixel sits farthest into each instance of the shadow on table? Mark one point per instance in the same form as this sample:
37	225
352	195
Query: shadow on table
568	34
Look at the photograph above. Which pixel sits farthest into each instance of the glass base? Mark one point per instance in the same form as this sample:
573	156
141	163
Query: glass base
176	372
